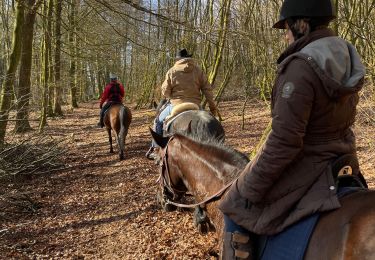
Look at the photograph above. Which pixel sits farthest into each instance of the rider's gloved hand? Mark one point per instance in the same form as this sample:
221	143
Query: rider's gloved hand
214	111
212	107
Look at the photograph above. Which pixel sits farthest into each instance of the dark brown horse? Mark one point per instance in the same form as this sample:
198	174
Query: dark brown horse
199	123
346	233
118	118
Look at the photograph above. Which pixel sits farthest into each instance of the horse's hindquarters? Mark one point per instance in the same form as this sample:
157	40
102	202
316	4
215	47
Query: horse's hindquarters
198	123
118	118
348	232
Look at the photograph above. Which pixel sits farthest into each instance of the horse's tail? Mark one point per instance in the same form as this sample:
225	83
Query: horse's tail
123	128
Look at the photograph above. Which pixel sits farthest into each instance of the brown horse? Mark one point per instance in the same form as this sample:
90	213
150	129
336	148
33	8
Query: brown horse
118	118
346	233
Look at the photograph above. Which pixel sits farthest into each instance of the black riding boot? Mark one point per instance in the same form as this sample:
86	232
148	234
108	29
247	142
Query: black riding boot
101	123
101	116
237	246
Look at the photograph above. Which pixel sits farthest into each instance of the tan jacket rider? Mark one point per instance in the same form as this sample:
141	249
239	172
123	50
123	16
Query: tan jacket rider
184	82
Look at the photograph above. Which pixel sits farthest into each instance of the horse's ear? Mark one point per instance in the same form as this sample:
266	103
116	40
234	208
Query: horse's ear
154	104
159	140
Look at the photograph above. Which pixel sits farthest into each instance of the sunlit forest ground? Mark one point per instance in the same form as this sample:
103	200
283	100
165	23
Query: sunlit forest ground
100	208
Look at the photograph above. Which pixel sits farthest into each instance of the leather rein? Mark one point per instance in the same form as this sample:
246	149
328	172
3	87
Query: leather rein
166	183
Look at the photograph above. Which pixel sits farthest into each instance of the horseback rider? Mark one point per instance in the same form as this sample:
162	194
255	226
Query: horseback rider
313	107
113	94
184	82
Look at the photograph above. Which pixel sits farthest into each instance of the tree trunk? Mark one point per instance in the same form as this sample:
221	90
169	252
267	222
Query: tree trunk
57	86
45	59
6	92
23	91
73	58
224	24
336	22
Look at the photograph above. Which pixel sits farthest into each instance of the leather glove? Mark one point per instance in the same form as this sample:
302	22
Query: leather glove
214	111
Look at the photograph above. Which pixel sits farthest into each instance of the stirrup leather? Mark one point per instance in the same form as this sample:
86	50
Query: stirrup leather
237	246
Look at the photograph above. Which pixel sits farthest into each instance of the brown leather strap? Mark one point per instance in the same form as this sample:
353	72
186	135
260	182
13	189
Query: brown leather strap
217	195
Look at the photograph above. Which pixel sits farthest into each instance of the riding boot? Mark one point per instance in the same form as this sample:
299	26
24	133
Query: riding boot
101	122
237	246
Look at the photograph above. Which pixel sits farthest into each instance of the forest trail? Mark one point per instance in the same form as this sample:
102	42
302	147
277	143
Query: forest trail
101	208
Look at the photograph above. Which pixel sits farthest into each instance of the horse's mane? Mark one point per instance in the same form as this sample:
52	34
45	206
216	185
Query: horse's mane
213	145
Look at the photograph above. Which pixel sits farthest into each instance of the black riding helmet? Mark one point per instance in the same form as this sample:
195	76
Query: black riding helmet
316	9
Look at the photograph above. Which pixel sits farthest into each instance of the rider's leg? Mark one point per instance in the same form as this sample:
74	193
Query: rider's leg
237	242
102	111
160	120
158	128
100	124
162	116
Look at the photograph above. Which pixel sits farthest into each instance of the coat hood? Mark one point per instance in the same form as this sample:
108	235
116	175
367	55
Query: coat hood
334	60
184	65
339	65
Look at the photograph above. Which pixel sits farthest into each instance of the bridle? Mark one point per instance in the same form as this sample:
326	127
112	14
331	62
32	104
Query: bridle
166	185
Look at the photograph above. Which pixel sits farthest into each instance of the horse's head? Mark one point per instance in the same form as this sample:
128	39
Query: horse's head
172	187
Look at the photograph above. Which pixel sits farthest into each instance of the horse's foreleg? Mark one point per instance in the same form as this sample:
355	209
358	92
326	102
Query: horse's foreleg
202	221
110	140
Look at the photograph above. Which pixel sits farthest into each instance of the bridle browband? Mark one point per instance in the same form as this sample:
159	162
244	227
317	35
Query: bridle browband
166	184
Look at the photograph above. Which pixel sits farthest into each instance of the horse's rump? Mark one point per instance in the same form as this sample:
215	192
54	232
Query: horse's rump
116	114
347	232
118	118
197	123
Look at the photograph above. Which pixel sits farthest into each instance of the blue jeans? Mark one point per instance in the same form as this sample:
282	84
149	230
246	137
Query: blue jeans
158	123
230	226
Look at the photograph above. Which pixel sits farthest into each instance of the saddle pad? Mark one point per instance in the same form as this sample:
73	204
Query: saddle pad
110	104
292	243
180	108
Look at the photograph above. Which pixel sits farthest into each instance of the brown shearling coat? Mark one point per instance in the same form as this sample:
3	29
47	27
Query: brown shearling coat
313	107
184	83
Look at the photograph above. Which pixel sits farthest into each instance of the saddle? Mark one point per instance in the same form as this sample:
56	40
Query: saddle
176	112
346	172
178	109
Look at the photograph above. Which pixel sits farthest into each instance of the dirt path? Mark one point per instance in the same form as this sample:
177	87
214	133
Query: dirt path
100	208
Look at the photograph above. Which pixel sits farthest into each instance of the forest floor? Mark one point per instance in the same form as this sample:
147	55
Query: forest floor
101	208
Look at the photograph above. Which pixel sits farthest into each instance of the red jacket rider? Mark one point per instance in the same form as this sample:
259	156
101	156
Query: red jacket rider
113	92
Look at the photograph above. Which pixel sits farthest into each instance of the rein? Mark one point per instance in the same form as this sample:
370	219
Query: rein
166	183
212	198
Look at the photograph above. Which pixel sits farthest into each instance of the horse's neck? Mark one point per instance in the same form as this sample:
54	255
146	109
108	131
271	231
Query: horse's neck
204	173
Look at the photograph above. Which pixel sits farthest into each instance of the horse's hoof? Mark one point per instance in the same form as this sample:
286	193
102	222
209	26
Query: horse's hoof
203	228
122	157
169	207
